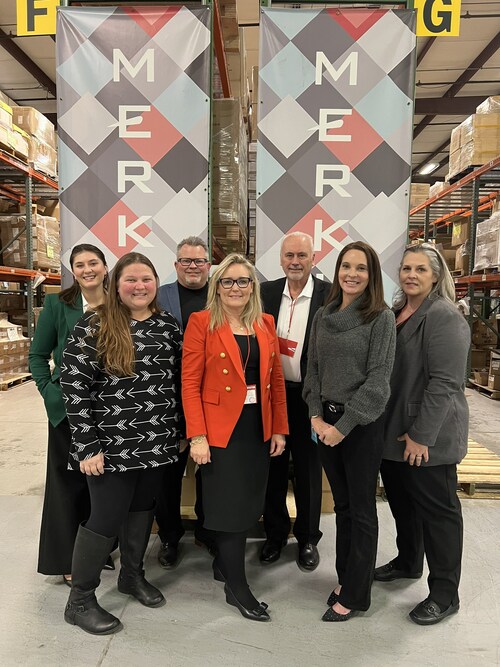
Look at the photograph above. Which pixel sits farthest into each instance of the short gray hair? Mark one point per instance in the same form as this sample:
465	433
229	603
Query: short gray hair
303	235
192	241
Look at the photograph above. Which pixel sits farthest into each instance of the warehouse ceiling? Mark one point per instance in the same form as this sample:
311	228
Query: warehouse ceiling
454	74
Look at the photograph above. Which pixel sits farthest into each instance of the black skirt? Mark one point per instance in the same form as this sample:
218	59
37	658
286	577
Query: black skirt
235	482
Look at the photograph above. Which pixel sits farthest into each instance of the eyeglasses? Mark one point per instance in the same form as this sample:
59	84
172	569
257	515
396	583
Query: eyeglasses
227	283
187	261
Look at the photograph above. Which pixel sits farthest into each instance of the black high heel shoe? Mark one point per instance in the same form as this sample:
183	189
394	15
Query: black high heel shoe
109	564
218	576
257	614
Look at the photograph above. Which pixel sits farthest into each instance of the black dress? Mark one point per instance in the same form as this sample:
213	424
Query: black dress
234	483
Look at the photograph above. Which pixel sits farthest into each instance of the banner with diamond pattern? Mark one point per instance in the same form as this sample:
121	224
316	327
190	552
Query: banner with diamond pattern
335	132
133	89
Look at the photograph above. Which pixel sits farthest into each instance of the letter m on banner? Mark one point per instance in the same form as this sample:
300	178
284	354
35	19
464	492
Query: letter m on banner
335	133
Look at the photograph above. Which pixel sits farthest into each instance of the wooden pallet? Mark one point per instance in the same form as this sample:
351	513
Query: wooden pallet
483	389
14	380
479	472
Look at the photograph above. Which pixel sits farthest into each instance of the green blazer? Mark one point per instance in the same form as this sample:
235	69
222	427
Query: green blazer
55	323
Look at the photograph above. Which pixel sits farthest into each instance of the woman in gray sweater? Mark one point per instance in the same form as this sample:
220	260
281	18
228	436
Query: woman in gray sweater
351	353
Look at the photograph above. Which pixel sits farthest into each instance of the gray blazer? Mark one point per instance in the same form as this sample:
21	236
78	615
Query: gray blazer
427	385
168	298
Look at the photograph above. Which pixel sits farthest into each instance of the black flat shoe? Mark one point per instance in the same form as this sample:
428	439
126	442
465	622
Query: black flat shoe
218	576
271	551
429	612
389	572
332	616
332	599
67	581
109	564
257	614
168	554
308	557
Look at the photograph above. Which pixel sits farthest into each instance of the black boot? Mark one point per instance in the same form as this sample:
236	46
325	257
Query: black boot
134	538
89	555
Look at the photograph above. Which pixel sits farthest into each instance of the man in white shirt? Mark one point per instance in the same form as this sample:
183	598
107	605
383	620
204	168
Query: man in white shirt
293	302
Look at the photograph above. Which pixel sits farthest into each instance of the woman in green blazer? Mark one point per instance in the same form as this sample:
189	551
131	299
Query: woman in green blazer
66	501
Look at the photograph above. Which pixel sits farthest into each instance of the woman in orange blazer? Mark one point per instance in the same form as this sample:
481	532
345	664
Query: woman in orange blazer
233	395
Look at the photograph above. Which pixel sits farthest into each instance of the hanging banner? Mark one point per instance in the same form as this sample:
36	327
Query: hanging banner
335	133
133	89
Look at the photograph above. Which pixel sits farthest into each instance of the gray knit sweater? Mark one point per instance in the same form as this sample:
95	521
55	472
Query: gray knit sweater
350	362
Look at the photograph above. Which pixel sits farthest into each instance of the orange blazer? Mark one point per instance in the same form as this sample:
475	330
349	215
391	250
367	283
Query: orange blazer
213	383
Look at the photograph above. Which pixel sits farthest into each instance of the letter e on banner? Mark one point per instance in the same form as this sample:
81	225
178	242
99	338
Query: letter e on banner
438	18
36	17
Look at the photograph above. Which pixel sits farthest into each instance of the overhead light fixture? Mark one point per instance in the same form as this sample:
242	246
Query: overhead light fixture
428	168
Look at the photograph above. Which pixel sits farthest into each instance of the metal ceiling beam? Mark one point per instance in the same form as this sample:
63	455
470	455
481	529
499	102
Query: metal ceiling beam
471	71
425	49
430	157
448	106
7	43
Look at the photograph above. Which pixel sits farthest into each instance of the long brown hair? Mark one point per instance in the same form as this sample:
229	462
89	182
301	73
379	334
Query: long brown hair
115	348
70	295
372	300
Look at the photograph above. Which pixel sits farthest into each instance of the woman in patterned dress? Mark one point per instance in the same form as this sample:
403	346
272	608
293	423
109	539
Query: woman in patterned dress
120	382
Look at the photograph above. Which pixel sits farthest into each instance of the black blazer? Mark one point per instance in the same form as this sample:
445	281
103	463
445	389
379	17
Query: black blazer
271	293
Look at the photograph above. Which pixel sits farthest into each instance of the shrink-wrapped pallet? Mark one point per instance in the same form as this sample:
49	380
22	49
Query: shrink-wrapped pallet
45	239
487	254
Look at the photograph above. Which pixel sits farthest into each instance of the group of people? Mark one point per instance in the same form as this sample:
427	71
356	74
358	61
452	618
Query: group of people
243	378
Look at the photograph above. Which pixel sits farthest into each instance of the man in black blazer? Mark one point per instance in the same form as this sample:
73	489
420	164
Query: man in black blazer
188	294
293	302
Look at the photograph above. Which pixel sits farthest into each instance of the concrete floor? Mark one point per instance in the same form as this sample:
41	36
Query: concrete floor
197	627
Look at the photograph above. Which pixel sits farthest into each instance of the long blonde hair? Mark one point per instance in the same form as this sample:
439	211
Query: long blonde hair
115	348
252	313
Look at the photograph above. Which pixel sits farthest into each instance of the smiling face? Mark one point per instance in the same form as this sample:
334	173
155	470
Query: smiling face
297	258
192	276
136	289
236	298
353	274
415	276
89	270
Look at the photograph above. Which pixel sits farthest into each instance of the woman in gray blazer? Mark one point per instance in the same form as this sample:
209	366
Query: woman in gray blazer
426	432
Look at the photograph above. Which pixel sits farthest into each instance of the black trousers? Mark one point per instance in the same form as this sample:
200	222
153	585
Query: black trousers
115	494
428	518
168	504
352	470
306	478
66	504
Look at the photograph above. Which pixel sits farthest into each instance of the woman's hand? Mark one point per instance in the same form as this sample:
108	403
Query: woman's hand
414	452
93	466
319	426
278	443
200	451
332	436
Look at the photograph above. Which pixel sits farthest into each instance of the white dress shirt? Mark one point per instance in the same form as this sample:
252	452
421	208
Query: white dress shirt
292	323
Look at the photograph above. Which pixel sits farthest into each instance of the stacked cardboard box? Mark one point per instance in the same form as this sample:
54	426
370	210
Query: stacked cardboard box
487	255
45	238
494	370
419	193
476	141
484	341
438	187
42	138
14	349
229	176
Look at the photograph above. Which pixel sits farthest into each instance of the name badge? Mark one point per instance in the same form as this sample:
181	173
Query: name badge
287	347
251	397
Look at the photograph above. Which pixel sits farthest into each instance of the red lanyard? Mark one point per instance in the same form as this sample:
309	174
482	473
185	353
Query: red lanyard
292	309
